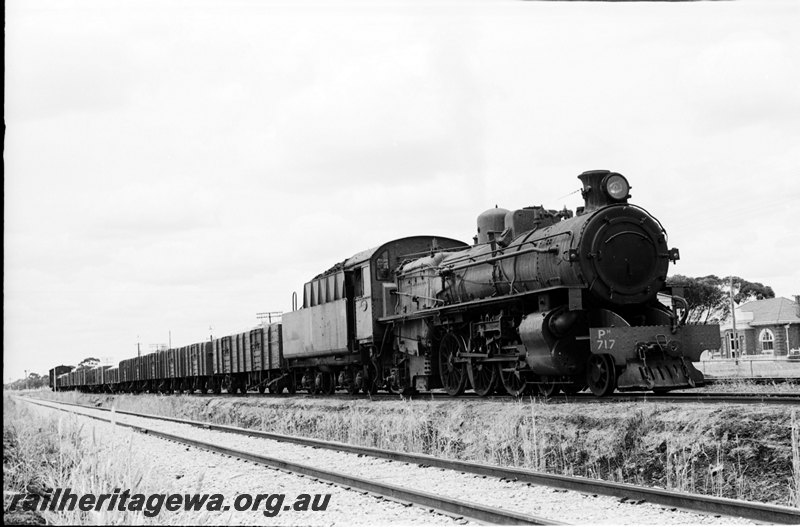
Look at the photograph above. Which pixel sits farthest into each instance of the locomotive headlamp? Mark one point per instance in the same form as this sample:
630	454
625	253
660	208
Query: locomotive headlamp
616	186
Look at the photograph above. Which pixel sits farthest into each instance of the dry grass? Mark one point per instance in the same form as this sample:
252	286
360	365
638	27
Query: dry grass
731	451
794	484
745	386
45	453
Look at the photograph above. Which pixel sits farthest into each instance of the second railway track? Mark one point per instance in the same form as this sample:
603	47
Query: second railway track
700	503
776	398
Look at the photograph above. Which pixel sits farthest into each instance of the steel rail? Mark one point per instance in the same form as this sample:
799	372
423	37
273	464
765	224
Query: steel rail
699	503
757	380
680	397
772	399
451	506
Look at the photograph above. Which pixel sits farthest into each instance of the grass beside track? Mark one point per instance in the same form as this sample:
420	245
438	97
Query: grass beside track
747	386
44	453
743	452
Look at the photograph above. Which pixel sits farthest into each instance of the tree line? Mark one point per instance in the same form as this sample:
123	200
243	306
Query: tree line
709	296
34	380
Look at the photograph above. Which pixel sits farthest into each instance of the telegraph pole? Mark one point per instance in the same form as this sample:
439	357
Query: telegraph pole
268	315
138	349
734	348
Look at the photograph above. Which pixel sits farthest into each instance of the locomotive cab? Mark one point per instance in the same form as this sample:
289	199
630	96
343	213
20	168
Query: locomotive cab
336	337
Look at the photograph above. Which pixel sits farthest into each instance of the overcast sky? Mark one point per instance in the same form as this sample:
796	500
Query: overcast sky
179	166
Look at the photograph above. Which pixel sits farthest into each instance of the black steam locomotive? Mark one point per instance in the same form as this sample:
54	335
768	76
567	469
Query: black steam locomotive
543	300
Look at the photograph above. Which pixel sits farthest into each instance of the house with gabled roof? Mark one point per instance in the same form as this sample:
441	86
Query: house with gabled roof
763	327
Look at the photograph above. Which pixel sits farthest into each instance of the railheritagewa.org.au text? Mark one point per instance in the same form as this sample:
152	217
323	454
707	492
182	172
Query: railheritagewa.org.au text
153	504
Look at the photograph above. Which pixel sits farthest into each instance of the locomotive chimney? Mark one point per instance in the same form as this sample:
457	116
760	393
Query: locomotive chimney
602	188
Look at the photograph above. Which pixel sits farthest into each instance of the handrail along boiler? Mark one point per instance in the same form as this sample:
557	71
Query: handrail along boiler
543	299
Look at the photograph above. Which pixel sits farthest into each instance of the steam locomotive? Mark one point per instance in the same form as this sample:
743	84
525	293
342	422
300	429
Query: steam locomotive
543	300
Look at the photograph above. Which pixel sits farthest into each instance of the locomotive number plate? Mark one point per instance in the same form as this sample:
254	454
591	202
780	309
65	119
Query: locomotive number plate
604	340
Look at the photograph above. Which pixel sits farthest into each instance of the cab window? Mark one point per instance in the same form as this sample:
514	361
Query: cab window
382	266
366	281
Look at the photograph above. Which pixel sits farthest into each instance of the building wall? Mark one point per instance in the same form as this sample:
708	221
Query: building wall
779	333
747	342
794	336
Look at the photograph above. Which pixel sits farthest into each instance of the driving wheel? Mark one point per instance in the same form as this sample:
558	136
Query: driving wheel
483	377
512	379
452	374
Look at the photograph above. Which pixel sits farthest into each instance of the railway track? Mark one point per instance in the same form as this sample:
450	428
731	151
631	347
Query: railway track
678	398
459	508
704	504
710	380
709	398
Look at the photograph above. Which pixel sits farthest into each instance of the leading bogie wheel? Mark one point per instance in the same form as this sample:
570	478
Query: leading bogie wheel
452	373
601	375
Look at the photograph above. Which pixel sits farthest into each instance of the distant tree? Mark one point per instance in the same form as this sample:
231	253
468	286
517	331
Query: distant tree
748	291
706	299
32	381
709	296
87	363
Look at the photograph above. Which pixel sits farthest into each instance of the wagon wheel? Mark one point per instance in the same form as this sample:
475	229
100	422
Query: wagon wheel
512	379
394	387
354	382
483	377
329	383
323	383
316	384
370	381
452	373
548	387
601	375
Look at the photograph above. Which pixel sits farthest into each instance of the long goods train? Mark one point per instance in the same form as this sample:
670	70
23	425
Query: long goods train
543	299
